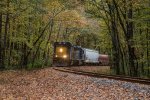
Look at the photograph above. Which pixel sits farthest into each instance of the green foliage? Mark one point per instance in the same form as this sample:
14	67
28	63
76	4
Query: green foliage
130	49
32	27
39	63
28	29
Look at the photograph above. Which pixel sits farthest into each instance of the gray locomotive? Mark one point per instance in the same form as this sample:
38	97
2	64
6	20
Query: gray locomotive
66	54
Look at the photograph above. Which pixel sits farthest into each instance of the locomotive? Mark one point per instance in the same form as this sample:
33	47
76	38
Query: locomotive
66	54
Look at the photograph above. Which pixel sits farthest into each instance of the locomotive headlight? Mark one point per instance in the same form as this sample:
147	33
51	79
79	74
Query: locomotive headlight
64	56
60	50
56	56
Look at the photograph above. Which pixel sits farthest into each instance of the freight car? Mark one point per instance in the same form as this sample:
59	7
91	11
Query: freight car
91	56
103	59
66	54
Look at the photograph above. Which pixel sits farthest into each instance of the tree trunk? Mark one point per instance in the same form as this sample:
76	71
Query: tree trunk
36	41
1	45
147	51
57	38
5	34
131	49
49	37
115	39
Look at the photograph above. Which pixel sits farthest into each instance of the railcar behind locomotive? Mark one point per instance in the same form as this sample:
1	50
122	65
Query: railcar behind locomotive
91	56
104	59
66	54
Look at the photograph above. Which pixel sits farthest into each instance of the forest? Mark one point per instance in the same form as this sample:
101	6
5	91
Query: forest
119	28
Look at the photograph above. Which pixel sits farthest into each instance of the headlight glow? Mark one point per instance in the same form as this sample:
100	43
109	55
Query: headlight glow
64	56
60	50
56	56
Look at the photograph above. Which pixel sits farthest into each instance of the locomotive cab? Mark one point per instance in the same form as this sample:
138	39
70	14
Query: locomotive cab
61	56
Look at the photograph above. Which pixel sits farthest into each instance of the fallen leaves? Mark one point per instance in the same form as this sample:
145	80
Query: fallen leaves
48	84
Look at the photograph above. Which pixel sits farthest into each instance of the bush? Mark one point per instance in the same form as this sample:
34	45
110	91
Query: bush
37	64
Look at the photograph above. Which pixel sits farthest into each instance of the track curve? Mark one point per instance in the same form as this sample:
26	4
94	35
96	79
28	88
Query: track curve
116	77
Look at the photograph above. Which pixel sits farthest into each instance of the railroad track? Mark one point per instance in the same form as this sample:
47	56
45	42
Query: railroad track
92	74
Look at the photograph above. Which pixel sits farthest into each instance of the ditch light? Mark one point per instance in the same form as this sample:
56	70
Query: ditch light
65	56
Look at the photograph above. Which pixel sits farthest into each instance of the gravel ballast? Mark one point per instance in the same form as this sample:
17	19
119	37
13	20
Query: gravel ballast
49	84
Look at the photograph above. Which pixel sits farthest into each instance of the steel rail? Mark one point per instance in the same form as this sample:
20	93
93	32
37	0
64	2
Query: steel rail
116	77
